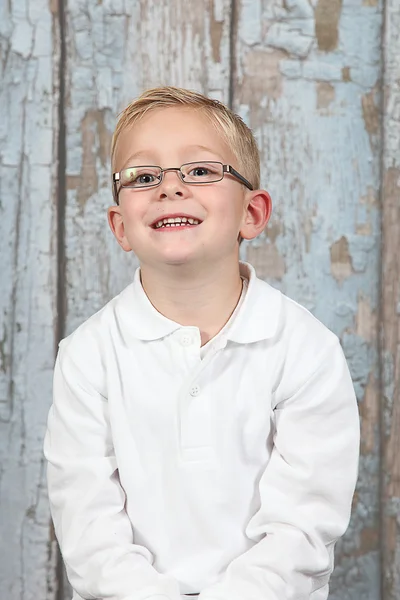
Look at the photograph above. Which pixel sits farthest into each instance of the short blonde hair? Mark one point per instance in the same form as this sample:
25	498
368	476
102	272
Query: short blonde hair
238	136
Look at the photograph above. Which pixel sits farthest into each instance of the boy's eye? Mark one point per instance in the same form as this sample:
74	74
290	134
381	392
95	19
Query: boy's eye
199	171
206	171
139	176
144	179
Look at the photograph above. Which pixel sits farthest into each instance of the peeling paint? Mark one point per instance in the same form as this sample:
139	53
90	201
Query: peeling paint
392	462
96	141
369	411
370	2
327	16
266	260
371	197
270	84
341	265
346	74
370	113
273	230
325	94
369	540
364	229
53	7
216	30
366	319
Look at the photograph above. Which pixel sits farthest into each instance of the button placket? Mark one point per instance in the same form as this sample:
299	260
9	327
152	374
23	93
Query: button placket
197	420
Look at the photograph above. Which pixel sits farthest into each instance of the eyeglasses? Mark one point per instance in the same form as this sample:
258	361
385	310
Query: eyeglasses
190	173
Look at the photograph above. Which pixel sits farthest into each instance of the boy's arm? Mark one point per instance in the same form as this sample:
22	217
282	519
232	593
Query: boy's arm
306	491
87	501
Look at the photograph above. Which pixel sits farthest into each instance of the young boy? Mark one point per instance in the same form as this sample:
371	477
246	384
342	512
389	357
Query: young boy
203	438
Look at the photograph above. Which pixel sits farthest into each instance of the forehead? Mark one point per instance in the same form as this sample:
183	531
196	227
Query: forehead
171	133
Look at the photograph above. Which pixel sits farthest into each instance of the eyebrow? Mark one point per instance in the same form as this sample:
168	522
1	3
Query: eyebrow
136	155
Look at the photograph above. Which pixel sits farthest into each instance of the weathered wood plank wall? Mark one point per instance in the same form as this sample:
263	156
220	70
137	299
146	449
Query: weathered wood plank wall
390	314
308	77
29	44
315	113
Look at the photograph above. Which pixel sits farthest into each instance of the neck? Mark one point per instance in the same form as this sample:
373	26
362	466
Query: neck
204	298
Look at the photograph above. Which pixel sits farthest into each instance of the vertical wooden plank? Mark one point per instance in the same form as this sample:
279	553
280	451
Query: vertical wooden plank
390	356
28	131
113	54
307	82
114	51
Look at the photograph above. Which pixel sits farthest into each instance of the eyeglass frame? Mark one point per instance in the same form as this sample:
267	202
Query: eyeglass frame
225	169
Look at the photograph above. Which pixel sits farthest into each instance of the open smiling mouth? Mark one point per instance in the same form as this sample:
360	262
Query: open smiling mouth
176	223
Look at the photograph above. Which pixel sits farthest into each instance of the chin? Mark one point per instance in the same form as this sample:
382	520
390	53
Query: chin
178	260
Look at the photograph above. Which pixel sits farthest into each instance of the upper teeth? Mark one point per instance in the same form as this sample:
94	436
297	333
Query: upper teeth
176	220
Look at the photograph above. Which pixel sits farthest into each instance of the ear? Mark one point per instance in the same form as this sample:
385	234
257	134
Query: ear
116	224
257	214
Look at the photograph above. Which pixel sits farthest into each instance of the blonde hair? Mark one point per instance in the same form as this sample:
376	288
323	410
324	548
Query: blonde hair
238	136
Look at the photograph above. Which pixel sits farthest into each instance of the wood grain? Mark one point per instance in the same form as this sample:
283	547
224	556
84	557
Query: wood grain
307	82
390	351
28	134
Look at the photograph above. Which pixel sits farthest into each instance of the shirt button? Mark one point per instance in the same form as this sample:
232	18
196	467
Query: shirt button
195	390
186	340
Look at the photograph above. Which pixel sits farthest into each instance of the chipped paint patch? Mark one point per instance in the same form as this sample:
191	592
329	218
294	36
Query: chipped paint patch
371	197
364	229
255	87
346	74
370	113
54	7
327	16
366	319
325	94
369	540
341	265
216	30
369	412
267	261
370	2
96	142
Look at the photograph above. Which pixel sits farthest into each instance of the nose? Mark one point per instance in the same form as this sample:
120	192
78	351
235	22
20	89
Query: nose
172	185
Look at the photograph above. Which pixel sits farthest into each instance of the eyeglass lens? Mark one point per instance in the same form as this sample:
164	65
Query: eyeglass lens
195	172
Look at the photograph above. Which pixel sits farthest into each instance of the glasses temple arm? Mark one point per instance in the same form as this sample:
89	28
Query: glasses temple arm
229	169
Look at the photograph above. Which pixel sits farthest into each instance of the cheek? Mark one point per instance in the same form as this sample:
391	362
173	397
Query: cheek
230	212
133	212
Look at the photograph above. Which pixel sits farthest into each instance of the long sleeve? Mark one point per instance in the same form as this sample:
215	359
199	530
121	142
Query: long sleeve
86	498
305	491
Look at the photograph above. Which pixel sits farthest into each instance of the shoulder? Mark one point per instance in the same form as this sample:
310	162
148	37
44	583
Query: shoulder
85	348
300	326
290	323
307	347
301	344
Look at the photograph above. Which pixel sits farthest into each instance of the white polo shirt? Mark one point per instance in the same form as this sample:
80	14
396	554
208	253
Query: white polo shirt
231	476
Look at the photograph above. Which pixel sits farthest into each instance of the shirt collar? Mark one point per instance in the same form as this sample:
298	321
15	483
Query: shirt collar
257	318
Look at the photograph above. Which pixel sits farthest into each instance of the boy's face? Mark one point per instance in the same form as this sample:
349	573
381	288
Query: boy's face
167	138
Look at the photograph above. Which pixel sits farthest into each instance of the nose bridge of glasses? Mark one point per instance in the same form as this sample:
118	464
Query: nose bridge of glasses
178	170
